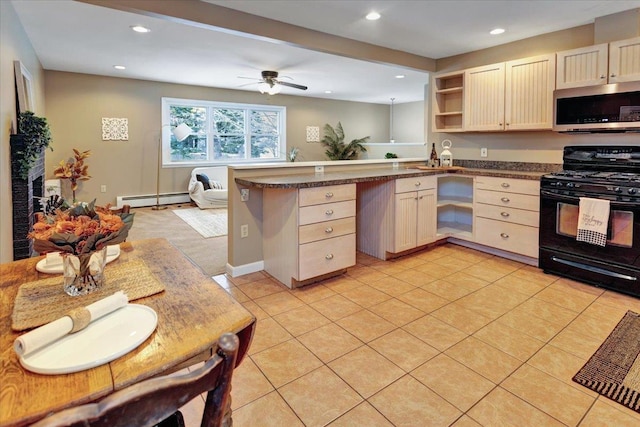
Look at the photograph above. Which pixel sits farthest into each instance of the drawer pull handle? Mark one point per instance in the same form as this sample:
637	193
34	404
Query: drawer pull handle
418	184
505	185
504	235
329	195
505	199
328	230
328	256
613	75
505	214
329	212
602	76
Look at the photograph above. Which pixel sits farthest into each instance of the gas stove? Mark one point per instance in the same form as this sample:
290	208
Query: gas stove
606	172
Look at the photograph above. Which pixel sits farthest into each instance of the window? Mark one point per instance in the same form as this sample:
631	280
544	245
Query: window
222	133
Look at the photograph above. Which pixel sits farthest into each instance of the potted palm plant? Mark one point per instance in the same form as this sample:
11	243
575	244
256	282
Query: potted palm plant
337	149
28	144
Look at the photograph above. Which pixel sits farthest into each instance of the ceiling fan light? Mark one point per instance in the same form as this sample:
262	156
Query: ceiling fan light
275	89
264	87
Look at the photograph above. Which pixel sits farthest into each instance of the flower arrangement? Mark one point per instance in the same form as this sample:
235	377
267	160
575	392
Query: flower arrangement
82	229
74	170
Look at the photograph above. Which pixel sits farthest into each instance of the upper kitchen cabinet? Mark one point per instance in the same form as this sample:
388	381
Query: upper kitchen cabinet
624	60
484	98
447	99
529	89
515	95
600	64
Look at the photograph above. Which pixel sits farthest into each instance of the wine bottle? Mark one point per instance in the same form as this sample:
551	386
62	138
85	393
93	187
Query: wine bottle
433	159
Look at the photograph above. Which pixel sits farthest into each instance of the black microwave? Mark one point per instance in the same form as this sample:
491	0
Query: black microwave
603	108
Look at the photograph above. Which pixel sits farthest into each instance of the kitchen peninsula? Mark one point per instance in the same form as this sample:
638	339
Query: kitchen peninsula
303	224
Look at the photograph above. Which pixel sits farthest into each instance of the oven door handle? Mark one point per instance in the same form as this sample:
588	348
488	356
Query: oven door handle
594	269
613	203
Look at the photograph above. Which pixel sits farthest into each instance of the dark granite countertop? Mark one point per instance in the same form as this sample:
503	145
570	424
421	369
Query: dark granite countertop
366	175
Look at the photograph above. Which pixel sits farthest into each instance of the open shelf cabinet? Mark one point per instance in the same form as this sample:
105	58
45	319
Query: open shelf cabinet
447	102
455	206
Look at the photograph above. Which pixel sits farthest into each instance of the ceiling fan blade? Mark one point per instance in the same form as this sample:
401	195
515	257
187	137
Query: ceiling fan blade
249	84
293	85
250	78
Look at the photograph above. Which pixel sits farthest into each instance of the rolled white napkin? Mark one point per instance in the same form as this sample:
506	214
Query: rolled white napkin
53	259
46	334
113	250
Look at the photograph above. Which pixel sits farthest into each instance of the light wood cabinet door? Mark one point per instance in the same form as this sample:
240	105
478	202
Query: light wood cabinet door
484	98
586	66
426	217
624	60
406	216
415	219
530	83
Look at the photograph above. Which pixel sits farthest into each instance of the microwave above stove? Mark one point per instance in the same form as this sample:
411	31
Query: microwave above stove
603	108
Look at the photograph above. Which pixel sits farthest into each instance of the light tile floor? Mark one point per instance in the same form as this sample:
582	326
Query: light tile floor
445	337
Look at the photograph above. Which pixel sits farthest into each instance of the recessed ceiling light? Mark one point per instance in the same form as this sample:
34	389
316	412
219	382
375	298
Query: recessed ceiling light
373	16
400	76
328	91
119	67
140	29
496	31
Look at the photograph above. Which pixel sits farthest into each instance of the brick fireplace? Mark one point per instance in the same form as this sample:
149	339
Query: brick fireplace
25	194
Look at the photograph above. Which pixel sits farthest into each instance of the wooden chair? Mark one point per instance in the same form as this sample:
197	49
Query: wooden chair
152	401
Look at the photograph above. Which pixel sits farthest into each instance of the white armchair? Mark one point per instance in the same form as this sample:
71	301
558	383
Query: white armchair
212	197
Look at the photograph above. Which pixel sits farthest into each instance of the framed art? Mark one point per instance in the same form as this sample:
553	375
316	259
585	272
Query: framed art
24	87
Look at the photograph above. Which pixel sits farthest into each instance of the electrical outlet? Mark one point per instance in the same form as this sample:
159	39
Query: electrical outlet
396	165
103	188
483	152
244	231
244	194
320	169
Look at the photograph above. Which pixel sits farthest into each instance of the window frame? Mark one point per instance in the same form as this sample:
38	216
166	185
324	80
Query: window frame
167	102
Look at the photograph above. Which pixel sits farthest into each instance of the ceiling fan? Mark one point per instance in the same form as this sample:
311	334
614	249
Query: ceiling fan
271	84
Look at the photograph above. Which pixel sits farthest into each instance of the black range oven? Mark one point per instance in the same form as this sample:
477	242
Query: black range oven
608	172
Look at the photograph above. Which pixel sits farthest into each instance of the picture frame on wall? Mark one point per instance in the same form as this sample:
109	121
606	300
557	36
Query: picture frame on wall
24	87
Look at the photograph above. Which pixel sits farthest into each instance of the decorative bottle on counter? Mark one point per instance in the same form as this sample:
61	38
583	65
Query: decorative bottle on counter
434	162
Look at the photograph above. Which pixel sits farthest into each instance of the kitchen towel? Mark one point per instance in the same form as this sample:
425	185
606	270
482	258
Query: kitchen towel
76	320
593	220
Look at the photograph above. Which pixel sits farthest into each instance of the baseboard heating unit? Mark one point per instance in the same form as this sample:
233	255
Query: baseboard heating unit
150	199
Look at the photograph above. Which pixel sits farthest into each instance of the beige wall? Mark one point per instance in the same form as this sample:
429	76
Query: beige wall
77	102
408	122
15	46
542	146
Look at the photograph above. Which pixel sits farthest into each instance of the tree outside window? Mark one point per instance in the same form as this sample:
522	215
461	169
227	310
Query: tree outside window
224	132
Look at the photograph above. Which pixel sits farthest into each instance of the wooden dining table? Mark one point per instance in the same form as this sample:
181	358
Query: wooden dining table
193	311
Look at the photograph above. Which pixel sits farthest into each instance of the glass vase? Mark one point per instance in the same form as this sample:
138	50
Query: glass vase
84	273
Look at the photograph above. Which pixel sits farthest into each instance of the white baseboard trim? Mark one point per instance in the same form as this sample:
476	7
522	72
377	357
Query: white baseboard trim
493	251
150	199
235	271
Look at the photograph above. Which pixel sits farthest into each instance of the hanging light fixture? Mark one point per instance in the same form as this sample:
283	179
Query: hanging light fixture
391	140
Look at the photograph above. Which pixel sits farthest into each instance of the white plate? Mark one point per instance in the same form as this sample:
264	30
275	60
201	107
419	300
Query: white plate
113	252
102	341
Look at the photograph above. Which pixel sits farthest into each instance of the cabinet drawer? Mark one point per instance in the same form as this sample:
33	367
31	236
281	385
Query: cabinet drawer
502	213
510	185
507	236
326	230
326	212
513	200
404	185
330	193
326	256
